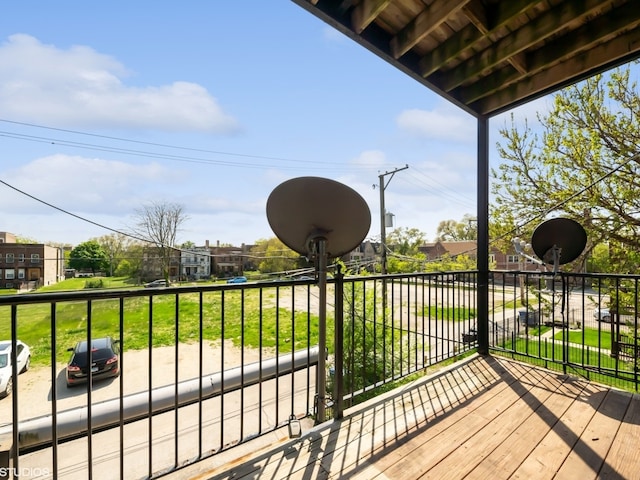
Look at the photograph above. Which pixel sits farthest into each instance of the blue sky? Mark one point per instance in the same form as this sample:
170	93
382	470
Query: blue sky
107	106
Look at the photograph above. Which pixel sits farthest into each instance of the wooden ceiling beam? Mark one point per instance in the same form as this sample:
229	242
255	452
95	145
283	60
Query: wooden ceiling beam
619	49
366	12
561	51
424	24
482	23
553	21
478	17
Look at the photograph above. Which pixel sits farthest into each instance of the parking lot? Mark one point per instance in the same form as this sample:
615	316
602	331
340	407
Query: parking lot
35	392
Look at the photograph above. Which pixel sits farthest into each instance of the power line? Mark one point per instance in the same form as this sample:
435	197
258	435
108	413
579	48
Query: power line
164	156
66	212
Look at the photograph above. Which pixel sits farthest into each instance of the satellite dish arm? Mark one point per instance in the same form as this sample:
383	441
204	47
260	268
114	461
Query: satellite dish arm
533	259
553	256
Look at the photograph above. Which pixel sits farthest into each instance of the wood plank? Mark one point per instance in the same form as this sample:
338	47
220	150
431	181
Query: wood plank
366	465
396	420
623	459
545	460
533	393
514	448
444	438
373	421
587	457
487	417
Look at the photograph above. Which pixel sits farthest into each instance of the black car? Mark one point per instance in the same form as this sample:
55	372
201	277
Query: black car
105	361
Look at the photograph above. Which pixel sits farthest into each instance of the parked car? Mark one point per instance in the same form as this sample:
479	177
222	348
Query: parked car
602	314
237	280
23	356
105	360
157	284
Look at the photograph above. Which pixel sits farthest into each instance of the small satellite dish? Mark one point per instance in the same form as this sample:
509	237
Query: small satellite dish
304	209
558	241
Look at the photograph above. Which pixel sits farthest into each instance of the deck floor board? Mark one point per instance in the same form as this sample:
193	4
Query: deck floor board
485	417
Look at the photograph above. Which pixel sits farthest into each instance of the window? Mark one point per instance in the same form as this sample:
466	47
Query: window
21	257
9	258
35	258
21	273
9	273
512	258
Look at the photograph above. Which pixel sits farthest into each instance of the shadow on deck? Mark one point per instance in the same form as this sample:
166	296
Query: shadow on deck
484	417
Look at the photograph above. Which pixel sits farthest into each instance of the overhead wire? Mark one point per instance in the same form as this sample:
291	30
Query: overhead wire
167	156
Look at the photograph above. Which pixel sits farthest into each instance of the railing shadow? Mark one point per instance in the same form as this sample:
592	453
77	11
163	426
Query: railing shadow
370	431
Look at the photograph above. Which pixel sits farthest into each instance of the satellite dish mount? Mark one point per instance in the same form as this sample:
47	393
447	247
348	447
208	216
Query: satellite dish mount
321	219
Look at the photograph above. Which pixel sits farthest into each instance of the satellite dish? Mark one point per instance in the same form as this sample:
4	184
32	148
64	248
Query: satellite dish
322	219
304	209
558	241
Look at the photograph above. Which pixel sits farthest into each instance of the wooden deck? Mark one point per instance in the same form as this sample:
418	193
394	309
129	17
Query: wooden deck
485	417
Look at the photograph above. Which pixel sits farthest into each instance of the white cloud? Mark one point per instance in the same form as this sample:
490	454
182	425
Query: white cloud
81	184
439	124
81	87
370	158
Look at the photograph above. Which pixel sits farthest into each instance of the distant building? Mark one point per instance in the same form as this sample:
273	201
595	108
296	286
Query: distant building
152	264
195	263
364	255
509	260
230	261
25	266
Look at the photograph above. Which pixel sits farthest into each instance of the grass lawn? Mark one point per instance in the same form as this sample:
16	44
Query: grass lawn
72	284
226	315
588	336
552	349
449	313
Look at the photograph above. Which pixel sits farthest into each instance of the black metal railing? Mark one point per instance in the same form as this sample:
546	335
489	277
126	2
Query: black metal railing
582	324
205	368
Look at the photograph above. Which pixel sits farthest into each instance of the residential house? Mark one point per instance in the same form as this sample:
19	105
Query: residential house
433	251
230	261
364	255
195	263
28	265
509	260
152	263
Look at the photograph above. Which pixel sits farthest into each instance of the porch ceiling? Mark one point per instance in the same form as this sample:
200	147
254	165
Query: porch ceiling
488	56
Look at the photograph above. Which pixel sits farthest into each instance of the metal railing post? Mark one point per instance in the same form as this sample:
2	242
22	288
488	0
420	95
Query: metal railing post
338	385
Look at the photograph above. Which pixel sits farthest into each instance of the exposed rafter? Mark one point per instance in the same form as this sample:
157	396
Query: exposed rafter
489	55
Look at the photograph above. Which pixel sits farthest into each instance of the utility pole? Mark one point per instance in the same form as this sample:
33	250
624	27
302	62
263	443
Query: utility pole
383	234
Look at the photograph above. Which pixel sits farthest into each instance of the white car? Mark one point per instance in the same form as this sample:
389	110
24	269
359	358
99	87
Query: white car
23	355
602	315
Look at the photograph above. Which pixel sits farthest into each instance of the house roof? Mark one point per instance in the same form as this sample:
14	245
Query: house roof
488	56
466	247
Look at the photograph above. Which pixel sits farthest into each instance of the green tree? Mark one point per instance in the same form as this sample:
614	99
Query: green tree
406	241
115	245
465	229
131	263
583	165
89	256
275	256
404	254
